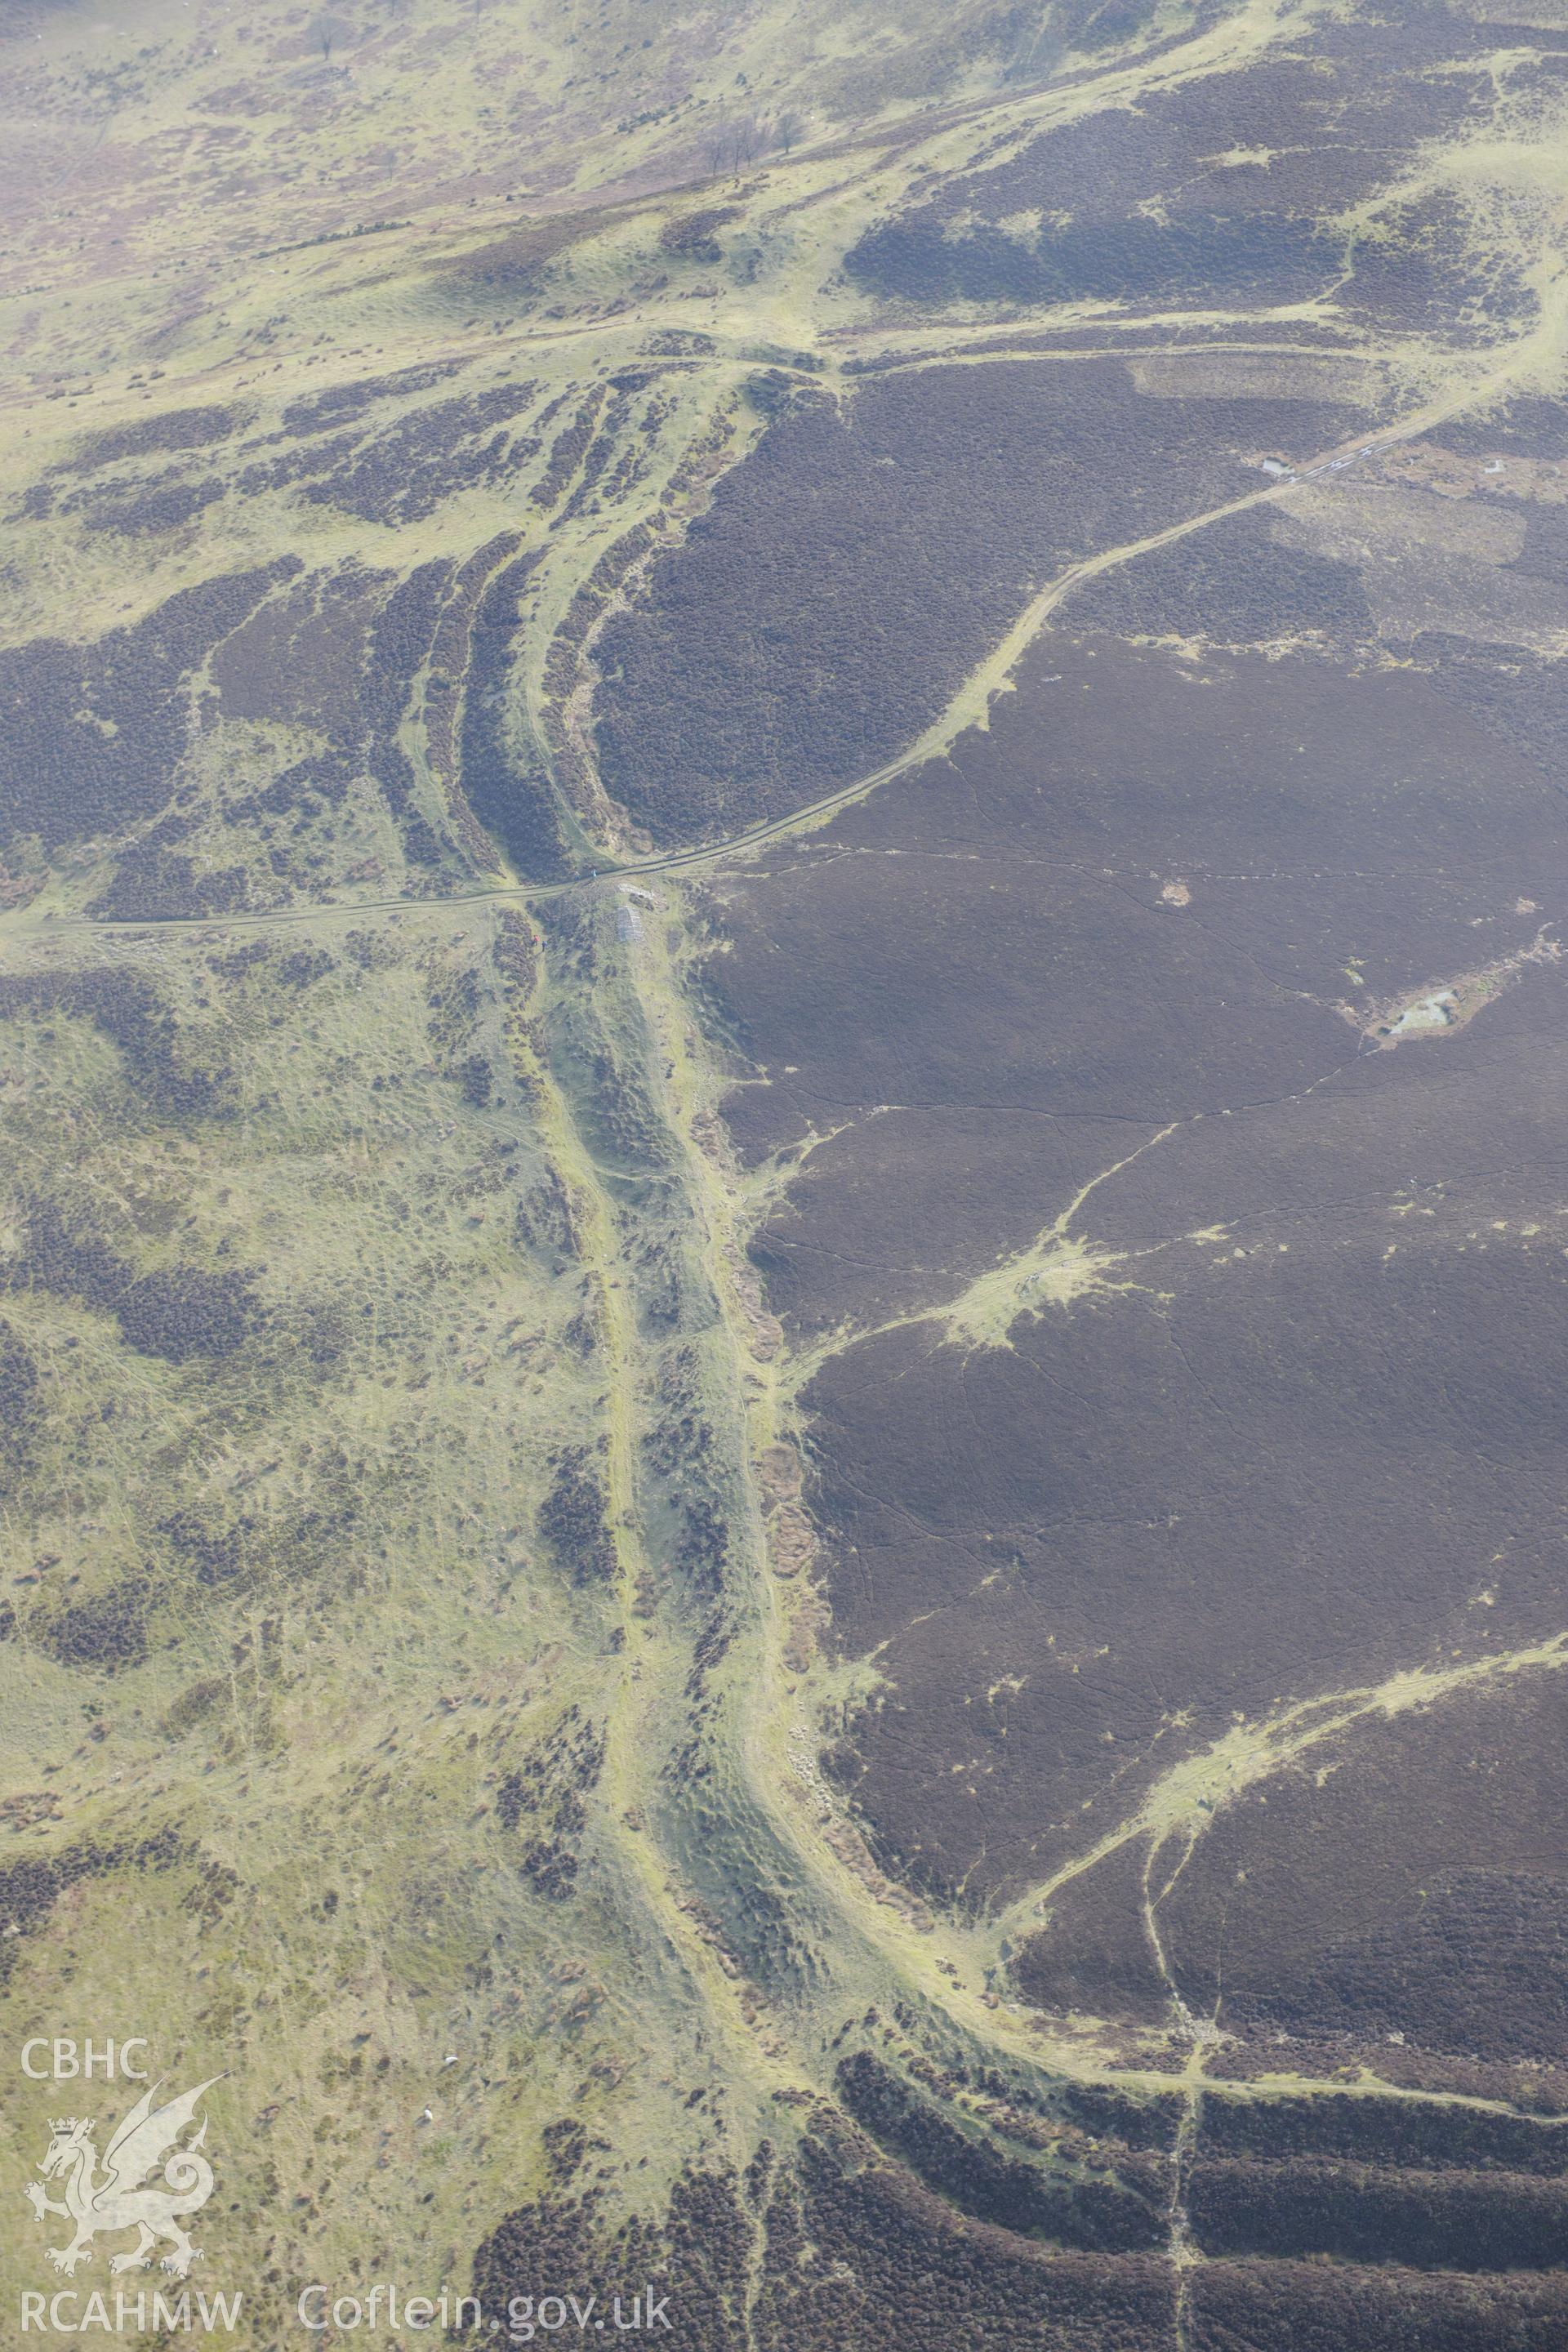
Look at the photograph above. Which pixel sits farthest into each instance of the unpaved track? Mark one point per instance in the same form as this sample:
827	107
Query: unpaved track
966	708
869	1951
876	1949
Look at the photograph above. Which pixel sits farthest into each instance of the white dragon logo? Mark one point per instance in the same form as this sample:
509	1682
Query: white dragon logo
125	2198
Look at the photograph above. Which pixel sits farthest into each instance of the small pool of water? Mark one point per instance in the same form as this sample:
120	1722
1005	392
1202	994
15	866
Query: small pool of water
1432	1013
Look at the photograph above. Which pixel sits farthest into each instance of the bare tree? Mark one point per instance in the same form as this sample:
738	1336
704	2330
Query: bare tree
733	144
326	31
787	130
